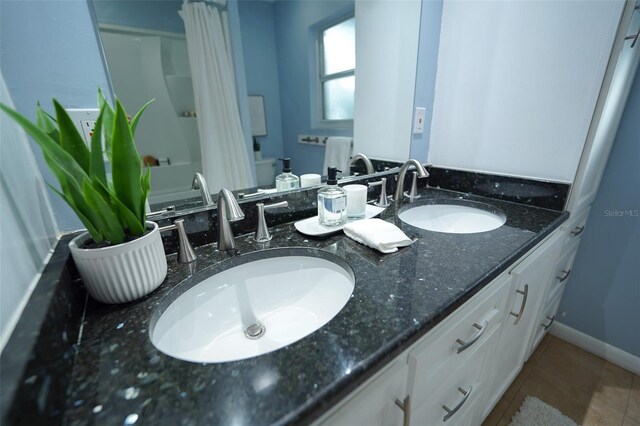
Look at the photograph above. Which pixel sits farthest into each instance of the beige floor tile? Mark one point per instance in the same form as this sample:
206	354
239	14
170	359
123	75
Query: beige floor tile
633	409
585	376
628	421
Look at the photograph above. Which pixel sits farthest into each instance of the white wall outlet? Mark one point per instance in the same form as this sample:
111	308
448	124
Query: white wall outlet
85	121
418	125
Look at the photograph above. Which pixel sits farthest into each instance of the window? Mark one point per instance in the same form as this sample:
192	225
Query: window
337	63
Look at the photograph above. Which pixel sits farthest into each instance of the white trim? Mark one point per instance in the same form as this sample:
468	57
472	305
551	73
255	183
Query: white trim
13	321
597	347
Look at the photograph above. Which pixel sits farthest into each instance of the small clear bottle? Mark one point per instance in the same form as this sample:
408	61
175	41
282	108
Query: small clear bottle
332	201
286	180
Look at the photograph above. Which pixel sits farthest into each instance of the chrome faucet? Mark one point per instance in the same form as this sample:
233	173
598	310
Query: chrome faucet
422	172
185	250
365	159
200	183
228	211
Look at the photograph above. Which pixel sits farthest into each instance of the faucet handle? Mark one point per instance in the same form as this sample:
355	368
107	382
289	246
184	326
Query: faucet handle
262	232
413	193
185	251
382	201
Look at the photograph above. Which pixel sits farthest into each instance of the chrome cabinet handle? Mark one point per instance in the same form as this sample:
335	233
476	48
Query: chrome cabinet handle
465	345
577	231
405	406
551	319
452	411
524	294
566	273
634	38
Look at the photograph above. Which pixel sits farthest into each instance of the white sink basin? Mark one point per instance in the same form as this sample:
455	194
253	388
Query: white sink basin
453	218
254	308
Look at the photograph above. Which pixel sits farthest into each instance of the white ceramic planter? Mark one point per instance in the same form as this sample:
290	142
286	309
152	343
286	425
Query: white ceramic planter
123	272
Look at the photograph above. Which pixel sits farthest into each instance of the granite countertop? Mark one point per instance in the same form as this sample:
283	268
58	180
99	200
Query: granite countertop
121	378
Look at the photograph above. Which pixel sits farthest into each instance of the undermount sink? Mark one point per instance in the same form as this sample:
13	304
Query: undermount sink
453	216
254	307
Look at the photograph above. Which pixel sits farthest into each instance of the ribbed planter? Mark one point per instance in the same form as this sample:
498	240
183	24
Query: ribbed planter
123	272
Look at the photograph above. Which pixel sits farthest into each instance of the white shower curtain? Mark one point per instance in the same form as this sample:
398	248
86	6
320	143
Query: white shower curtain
225	160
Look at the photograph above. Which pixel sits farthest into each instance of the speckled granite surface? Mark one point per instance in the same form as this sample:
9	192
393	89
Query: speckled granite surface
120	377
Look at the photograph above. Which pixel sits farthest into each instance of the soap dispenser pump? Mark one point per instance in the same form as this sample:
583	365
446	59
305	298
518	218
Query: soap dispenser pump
286	180
332	201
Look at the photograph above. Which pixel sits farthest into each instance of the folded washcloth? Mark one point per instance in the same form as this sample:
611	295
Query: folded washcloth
377	234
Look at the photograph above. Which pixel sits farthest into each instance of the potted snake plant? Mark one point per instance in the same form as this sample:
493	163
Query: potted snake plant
120	257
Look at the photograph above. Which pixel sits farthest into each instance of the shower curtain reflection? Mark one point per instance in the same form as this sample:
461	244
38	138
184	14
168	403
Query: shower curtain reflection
225	160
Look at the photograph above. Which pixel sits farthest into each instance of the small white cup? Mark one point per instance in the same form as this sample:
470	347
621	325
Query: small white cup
356	200
310	179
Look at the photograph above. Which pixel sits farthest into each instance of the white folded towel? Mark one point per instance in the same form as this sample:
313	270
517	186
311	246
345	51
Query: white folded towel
337	153
377	234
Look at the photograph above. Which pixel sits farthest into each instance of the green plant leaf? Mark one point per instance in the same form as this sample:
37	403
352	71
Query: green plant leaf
47	123
58	157
145	182
95	234
127	219
70	138
126	167
104	216
107	123
97	170
136	118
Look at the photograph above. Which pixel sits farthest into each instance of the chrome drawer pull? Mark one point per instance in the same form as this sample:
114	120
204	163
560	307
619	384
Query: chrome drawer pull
452	411
566	273
552	319
524	294
405	406
577	231
465	345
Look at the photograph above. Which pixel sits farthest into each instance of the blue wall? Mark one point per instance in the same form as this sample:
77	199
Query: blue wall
428	45
49	49
602	298
257	27
292	22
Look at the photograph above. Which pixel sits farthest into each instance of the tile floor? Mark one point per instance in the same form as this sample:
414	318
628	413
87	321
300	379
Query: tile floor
586	388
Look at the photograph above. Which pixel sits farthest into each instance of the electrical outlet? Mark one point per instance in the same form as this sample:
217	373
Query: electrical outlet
85	121
418	125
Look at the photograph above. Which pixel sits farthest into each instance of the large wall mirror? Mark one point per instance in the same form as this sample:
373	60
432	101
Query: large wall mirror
296	67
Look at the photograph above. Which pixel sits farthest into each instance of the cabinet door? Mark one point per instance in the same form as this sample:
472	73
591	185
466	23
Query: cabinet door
531	278
374	404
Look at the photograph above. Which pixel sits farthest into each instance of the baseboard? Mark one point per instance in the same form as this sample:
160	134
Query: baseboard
597	347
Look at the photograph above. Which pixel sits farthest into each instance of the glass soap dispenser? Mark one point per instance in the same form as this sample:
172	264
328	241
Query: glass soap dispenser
332	201
286	180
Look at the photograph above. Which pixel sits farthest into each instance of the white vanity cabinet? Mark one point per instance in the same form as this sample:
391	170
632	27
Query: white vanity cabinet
530	282
379	402
455	374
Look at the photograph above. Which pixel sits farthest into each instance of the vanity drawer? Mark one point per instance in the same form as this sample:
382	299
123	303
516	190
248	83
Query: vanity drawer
459	390
574	227
457	339
562	271
545	321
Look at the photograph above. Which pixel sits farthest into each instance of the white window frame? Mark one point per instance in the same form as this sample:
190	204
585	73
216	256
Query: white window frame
318	115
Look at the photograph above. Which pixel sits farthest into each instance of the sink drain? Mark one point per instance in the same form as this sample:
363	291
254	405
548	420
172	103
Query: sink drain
255	331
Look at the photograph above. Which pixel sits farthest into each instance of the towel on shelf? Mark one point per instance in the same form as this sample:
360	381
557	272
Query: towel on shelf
377	234
337	152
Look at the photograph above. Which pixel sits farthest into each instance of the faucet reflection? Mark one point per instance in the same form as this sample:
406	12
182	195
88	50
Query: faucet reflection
365	159
200	183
